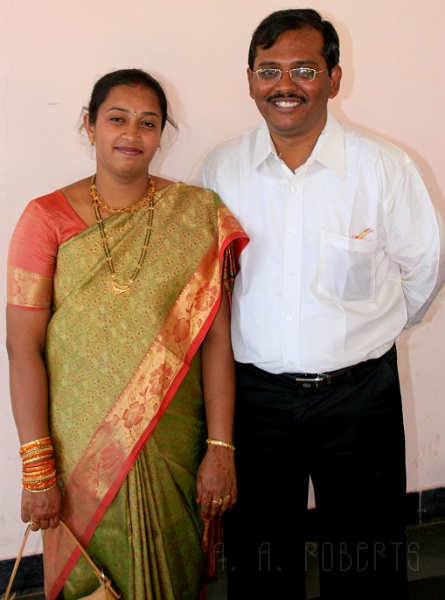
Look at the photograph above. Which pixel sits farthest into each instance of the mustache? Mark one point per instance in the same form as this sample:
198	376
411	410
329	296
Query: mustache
290	96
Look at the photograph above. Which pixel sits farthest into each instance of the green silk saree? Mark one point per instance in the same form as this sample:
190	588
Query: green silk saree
126	408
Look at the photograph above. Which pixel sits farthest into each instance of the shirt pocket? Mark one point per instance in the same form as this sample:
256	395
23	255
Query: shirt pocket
347	267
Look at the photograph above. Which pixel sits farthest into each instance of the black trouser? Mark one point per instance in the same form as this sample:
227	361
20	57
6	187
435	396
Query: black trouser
349	438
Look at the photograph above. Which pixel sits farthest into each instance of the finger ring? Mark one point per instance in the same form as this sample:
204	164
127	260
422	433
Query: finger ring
32	523
228	497
217	502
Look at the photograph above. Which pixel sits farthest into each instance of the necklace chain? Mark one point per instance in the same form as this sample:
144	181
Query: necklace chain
121	288
97	198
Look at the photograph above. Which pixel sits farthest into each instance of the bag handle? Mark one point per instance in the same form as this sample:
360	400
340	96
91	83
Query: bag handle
16	565
104	580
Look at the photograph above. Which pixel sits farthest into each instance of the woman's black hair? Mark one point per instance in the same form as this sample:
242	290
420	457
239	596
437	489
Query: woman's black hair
132	77
267	32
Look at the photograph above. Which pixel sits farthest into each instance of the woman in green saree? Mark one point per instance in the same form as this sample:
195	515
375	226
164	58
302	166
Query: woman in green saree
118	313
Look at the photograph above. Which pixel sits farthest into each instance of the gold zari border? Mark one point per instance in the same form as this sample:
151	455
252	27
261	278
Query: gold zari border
28	290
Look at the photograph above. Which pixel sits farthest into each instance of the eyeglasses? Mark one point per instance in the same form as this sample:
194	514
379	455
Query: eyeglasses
297	75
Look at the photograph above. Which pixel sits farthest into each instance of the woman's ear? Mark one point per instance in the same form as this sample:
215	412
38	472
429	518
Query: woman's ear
89	128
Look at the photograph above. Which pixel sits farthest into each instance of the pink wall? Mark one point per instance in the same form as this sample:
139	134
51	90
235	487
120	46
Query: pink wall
52	52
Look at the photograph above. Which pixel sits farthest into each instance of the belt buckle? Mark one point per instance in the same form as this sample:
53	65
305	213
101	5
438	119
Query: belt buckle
320	380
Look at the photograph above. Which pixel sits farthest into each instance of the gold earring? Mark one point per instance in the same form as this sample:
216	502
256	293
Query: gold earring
91	138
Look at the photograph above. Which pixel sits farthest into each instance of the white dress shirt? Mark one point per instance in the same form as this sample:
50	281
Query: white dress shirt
310	296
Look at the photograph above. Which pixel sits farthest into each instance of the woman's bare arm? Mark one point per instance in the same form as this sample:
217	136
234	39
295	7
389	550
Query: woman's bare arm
216	476
26	335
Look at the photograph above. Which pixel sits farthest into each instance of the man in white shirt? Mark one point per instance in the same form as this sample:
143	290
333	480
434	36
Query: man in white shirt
345	252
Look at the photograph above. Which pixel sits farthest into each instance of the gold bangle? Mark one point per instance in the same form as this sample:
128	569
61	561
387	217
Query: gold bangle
27	479
34	491
220	443
39	470
42	484
35	453
44	441
40	465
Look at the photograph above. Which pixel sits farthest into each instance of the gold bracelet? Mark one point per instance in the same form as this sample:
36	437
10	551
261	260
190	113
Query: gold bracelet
35	453
29	479
46	489
220	443
45	441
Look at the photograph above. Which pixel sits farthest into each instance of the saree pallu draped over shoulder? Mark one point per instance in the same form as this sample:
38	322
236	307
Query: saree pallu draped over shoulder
126	408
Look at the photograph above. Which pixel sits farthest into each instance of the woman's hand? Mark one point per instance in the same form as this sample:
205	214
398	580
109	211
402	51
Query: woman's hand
216	481
42	509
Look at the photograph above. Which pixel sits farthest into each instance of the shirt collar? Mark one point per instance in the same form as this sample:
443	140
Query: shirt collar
329	149
263	147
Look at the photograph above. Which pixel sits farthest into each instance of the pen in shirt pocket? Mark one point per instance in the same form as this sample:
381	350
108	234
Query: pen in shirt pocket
362	234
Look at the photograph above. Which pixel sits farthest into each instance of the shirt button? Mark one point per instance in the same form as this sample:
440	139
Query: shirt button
293	230
290	319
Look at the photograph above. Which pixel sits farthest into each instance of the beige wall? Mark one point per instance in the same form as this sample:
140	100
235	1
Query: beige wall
51	52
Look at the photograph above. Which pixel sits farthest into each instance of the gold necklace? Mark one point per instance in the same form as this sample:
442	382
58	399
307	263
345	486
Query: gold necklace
117	288
97	198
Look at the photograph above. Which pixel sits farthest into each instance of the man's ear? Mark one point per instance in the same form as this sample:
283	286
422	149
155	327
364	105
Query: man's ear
250	77
336	74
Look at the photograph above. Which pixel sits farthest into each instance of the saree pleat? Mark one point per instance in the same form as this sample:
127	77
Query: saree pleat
126	410
161	519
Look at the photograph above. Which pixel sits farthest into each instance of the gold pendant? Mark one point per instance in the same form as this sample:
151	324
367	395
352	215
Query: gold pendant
119	289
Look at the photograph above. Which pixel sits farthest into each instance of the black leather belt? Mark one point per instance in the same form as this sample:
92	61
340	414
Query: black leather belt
317	380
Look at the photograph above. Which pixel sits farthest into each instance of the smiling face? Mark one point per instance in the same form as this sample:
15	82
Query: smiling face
294	110
127	130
